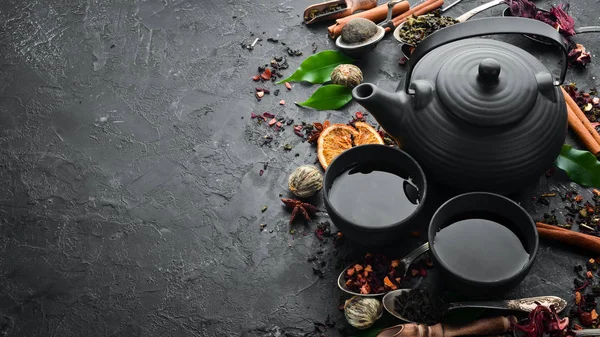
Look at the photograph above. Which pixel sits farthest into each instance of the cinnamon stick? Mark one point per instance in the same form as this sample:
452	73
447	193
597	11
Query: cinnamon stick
425	7
376	15
569	237
581	116
582	133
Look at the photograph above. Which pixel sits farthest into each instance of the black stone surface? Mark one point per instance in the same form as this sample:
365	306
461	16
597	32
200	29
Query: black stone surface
131	197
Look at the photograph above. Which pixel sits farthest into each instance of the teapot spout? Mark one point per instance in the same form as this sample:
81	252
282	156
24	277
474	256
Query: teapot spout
385	106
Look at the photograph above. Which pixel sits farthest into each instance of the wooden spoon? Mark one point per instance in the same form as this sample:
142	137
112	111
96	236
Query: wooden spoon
481	327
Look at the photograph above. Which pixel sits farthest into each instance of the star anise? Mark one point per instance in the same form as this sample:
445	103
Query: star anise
298	206
314	134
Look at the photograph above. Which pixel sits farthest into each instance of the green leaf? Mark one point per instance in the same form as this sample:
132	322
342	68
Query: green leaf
328	97
317	68
371	332
581	166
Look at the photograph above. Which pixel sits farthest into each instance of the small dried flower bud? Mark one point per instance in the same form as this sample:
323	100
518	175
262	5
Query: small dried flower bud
347	75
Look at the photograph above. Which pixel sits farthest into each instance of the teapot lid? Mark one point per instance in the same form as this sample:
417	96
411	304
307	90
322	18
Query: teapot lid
489	86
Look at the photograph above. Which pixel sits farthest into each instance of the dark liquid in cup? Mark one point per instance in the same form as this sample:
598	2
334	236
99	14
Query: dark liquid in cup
481	248
374	195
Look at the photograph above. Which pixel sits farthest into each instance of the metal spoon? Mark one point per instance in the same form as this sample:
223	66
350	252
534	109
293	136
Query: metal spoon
522	304
405	261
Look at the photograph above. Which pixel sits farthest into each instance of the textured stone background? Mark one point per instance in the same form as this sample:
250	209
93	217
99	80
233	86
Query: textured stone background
130	196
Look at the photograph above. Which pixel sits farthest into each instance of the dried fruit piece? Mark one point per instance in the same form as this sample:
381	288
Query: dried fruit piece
577	297
282	102
288	86
340	137
389	284
266	75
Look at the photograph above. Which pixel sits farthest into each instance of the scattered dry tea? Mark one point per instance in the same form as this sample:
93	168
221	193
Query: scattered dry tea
331	8
417	28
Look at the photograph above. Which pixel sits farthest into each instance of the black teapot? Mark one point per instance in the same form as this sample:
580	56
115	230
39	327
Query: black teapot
478	114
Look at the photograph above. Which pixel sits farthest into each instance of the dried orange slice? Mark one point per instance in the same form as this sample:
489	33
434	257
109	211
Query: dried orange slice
338	138
367	134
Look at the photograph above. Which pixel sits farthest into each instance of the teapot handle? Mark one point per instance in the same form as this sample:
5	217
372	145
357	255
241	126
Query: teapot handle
487	26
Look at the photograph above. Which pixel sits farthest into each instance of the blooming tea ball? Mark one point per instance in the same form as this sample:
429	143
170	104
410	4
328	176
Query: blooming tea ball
347	75
305	181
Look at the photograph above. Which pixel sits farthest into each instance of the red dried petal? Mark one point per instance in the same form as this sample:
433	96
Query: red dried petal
266	75
256	78
268	115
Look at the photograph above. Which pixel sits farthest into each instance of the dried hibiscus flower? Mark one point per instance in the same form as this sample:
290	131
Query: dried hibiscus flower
543	321
578	56
522	8
556	17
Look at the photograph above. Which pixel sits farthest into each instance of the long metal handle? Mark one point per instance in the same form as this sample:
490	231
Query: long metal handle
478	10
587	332
588	29
480	304
450	6
409	259
388	20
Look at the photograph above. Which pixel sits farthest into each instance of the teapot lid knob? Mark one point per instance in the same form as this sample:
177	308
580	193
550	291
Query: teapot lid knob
487	87
489	70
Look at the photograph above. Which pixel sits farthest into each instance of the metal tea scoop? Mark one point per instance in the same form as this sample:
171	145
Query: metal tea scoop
405	261
522	304
346	7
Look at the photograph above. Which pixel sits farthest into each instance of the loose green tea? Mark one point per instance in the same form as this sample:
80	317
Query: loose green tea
374	195
481	247
420	306
417	28
329	9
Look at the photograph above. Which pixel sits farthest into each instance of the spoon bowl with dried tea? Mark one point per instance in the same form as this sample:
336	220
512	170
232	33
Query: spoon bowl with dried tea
372	278
420	306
